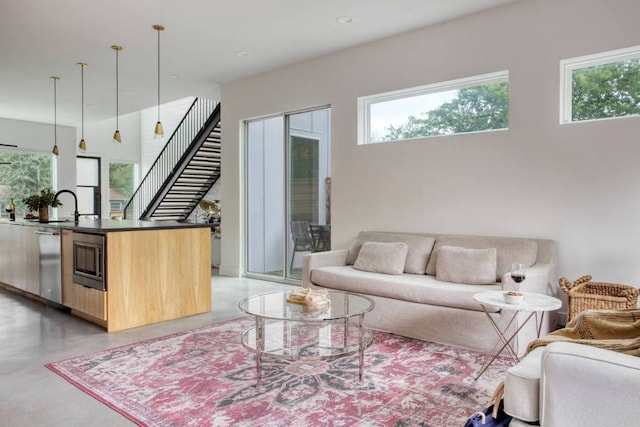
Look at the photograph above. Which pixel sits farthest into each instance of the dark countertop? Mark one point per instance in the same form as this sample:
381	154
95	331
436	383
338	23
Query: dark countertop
108	225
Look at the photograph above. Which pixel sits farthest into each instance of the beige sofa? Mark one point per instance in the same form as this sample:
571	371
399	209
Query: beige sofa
418	305
573	385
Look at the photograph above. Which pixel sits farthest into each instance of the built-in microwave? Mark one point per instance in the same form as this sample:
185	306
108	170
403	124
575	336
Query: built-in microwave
88	260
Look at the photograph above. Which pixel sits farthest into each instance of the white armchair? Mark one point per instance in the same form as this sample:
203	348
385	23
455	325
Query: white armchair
566	384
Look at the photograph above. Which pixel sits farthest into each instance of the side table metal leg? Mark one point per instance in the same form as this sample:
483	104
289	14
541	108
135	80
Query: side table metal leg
501	338
539	323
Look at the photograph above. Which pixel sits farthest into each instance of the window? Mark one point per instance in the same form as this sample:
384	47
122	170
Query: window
601	86
473	104
88	185
121	187
21	175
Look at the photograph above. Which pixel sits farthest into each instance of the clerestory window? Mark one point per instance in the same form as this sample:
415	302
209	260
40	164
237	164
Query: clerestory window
600	86
473	104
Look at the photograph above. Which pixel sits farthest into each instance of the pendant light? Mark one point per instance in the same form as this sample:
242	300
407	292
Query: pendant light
158	131
116	134
82	145
55	150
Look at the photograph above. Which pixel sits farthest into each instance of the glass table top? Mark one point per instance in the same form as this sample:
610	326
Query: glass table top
275	306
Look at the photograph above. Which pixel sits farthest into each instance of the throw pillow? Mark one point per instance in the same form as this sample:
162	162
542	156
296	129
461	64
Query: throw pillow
468	266
418	253
510	250
380	257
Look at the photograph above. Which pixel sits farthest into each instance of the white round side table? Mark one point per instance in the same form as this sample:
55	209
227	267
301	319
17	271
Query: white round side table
532	303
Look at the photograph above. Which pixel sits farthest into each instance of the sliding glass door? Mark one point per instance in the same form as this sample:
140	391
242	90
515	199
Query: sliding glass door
287	192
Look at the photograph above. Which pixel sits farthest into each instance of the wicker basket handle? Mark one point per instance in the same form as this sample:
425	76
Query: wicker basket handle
566	285
630	293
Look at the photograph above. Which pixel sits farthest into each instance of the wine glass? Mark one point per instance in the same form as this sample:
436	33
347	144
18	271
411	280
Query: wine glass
517	272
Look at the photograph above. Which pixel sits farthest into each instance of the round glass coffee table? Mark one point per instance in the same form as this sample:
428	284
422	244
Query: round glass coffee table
285	331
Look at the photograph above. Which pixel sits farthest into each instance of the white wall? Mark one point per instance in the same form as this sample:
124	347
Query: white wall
171	115
39	137
575	183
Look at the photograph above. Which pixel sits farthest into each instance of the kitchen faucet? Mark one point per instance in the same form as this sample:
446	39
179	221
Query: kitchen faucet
76	214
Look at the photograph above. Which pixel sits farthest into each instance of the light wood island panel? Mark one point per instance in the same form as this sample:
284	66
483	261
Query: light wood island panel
157	275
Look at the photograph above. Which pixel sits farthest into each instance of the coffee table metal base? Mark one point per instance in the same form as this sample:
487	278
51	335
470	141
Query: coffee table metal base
290	340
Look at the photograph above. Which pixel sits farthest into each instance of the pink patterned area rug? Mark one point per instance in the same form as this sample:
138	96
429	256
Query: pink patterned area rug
205	377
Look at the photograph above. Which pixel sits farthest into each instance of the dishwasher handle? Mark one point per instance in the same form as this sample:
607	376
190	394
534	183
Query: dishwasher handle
47	233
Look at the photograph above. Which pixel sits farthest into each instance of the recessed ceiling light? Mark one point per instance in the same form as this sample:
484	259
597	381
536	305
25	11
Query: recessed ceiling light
344	19
242	53
174	76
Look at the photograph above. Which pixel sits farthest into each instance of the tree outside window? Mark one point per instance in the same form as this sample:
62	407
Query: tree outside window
121	187
21	175
606	91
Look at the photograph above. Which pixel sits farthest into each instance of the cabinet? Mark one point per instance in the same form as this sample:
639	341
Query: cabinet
32	260
88	303
4	259
20	263
157	275
17	260
153	275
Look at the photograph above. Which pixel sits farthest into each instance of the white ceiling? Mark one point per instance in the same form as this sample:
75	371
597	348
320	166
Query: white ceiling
199	48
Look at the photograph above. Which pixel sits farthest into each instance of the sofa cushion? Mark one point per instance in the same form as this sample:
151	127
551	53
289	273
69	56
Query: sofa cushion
509	250
417	255
467	266
380	257
408	287
522	387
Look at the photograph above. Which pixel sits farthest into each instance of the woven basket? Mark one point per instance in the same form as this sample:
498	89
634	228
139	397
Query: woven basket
586	295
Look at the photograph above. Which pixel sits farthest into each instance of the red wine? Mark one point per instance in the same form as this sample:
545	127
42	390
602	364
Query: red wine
517	277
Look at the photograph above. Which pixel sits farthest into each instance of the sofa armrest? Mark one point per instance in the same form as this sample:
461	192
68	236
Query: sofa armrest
539	279
321	259
582	385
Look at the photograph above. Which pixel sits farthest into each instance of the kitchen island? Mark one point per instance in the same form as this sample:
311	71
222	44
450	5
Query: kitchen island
153	271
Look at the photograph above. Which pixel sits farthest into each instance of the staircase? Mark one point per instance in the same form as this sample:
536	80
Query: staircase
184	171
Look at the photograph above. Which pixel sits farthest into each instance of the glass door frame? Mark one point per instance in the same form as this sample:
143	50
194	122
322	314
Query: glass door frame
286	135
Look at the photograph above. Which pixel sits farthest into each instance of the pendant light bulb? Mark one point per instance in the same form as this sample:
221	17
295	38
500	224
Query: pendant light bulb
158	132
55	149
116	135
82	146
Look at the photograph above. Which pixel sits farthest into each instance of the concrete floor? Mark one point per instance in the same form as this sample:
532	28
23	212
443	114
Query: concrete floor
33	334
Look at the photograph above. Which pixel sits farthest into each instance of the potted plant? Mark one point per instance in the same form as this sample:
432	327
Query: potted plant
41	202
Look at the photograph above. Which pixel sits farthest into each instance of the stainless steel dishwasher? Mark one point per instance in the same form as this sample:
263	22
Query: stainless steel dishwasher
50	264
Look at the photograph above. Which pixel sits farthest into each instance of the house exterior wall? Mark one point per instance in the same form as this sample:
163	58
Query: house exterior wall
577	183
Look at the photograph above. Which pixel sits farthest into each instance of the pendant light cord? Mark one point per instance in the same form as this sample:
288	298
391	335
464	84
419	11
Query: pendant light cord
82	96
55	113
158	74
117	92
